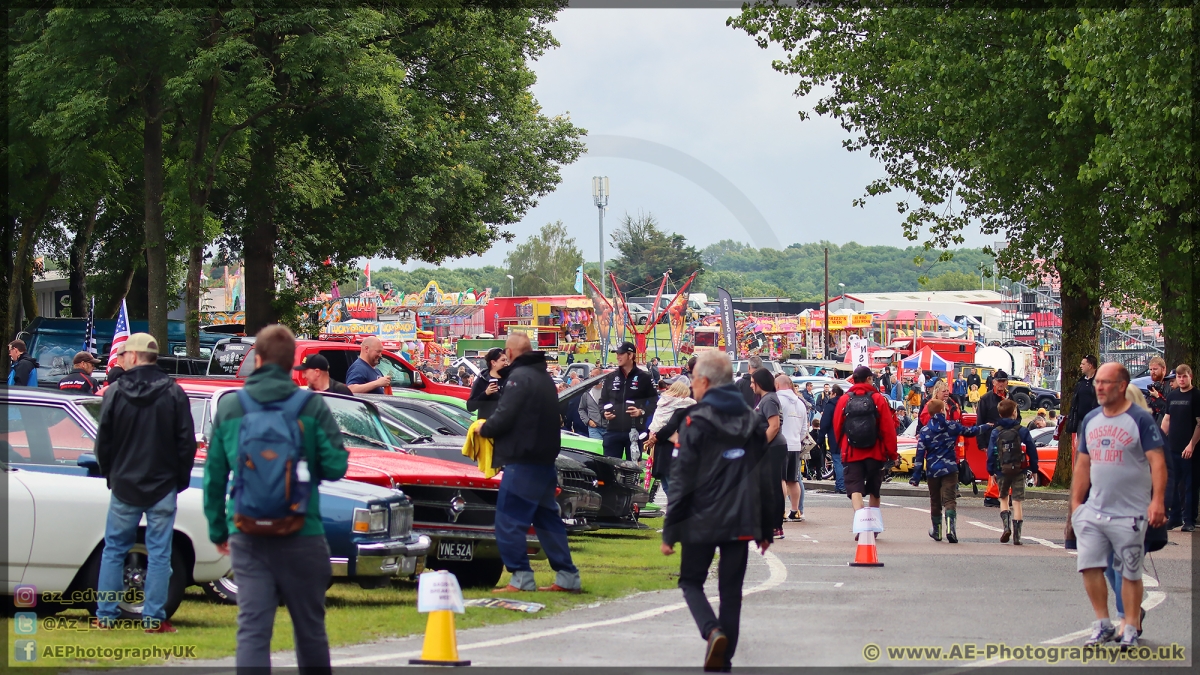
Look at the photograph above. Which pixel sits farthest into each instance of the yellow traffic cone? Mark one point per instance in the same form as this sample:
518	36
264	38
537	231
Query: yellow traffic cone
441	644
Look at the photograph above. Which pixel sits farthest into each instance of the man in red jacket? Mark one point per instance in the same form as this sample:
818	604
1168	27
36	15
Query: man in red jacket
864	429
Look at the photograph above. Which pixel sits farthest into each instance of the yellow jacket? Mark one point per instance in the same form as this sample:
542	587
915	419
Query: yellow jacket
479	449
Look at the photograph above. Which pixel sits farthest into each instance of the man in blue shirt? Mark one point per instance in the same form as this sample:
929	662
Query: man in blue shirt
363	377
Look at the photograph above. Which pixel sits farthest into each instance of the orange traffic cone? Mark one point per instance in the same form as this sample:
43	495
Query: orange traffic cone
441	644
865	555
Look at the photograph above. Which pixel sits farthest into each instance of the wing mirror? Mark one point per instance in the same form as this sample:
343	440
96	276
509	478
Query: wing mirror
88	461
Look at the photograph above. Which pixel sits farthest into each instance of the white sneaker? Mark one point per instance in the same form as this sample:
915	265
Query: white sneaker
1130	637
1102	631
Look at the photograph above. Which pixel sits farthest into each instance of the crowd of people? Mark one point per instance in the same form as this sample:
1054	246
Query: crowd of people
728	454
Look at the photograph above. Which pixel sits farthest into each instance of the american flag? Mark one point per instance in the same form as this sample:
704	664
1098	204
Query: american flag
120	335
89	338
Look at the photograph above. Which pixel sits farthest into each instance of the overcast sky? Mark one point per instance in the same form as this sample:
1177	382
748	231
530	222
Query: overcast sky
682	78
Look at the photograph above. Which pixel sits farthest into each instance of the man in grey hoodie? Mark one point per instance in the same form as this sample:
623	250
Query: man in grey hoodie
590	412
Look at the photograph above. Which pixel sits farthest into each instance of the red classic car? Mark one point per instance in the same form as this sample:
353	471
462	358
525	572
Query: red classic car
454	505
1047	449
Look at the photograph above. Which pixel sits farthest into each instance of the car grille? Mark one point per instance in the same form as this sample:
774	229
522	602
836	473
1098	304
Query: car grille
576	479
400	520
627	479
432	505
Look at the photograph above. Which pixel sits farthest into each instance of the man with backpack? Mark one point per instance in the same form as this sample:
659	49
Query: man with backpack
1007	464
865	431
279	442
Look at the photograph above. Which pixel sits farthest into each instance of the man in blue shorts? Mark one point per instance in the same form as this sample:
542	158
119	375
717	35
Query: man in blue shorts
1121	460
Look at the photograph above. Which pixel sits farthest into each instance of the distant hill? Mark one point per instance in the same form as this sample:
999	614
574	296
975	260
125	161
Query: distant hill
797	271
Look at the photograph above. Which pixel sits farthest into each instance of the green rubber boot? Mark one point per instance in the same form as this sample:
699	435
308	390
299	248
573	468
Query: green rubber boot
951	532
935	532
1006	520
1017	532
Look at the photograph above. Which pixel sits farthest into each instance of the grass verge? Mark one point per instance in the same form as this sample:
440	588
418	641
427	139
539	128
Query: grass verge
613	564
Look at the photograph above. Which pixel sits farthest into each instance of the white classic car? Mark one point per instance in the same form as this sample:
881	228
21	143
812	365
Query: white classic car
58	506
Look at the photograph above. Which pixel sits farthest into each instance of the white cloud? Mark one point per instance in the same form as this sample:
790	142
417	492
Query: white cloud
682	78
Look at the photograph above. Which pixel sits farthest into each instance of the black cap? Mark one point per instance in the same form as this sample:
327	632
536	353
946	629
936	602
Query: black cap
314	361
1000	375
626	348
862	374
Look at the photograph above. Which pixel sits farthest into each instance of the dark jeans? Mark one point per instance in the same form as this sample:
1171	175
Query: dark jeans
943	492
527	498
839	480
1181	492
616	444
777	455
269	569
694	561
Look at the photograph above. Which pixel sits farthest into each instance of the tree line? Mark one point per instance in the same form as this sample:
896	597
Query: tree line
146	143
1070	131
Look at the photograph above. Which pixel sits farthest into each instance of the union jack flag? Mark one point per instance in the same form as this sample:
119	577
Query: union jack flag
120	335
89	338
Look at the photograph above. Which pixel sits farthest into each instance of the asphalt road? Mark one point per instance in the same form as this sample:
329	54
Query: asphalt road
806	607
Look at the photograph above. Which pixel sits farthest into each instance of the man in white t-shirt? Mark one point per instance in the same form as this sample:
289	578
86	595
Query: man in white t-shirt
1121	461
794	427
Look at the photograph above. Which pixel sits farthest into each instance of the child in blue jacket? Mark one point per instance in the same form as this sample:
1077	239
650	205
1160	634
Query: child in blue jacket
1012	485
937	462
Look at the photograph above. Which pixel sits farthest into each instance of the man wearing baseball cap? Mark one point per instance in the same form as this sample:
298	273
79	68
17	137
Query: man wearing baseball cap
987	416
145	446
316	373
625	398
80	380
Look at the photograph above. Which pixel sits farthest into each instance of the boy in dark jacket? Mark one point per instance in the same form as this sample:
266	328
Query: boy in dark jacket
1011	476
719	480
937	462
525	426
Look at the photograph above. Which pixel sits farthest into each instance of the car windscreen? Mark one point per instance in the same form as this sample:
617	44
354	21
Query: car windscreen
54	354
418	427
464	418
399	426
359	423
227	358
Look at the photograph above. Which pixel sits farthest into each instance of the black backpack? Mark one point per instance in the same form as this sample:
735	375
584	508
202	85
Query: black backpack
1009	451
860	421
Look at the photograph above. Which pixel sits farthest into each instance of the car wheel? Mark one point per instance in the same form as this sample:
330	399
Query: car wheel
1047	402
482	573
1023	401
134	575
642	321
1030	479
223	590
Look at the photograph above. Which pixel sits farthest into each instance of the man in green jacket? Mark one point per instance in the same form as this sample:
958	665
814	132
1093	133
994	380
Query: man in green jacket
268	569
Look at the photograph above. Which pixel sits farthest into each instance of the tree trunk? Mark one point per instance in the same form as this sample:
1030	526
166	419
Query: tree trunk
1177	250
28	297
258	240
198	191
80	247
156	237
9	279
1081	318
22	259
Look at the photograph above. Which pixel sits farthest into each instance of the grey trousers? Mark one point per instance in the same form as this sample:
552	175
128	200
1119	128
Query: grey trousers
292	569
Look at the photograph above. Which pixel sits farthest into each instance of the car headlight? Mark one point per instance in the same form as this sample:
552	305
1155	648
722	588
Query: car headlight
370	521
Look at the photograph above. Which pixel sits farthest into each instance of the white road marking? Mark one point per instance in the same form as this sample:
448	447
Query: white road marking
913	508
838	584
986	527
887	504
778	574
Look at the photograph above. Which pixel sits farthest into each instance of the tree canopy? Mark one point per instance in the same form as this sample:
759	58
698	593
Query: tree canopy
546	263
647	252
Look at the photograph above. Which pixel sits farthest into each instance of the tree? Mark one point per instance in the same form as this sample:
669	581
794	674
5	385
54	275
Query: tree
647	253
546	263
952	281
956	105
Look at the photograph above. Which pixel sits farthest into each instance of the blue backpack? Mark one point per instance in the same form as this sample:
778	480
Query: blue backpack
271	484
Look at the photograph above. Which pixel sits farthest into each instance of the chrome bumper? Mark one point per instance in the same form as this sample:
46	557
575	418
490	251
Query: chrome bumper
385	559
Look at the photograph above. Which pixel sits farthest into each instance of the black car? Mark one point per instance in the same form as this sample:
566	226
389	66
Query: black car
618	482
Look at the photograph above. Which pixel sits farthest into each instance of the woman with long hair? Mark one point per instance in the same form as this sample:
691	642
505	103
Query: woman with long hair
485	392
672	408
